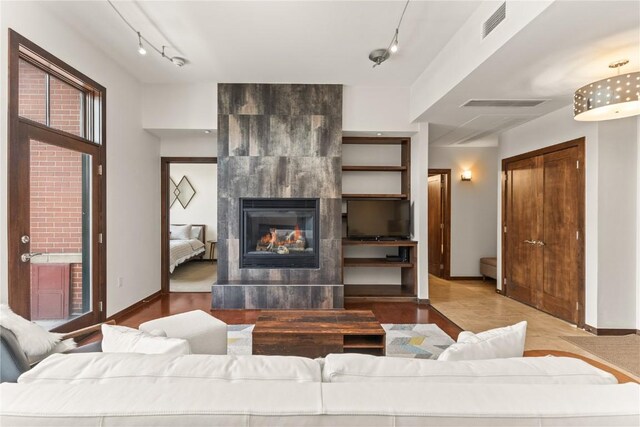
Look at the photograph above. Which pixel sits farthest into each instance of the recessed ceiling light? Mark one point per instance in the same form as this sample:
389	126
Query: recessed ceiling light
207	131
379	133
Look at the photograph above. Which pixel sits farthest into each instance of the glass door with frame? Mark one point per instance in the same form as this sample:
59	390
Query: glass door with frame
56	191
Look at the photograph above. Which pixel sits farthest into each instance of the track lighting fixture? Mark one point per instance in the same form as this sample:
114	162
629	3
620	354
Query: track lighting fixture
141	49
178	61
378	56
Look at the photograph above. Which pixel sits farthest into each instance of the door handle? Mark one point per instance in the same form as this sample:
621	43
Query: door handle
531	242
540	243
27	257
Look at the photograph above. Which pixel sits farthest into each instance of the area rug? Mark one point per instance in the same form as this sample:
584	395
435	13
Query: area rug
424	341
623	351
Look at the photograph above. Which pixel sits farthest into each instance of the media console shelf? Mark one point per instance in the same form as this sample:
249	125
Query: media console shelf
375	196
404	168
406	291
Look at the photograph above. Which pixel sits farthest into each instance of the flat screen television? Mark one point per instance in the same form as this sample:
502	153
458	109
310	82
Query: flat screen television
378	219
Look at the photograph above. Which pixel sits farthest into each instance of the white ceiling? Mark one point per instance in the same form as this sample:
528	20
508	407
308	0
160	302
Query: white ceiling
569	45
269	41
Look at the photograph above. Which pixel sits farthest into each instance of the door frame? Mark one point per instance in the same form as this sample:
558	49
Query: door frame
165	165
19	130
446	235
579	143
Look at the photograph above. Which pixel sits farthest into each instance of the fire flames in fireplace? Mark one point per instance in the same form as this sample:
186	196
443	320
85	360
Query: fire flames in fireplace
282	241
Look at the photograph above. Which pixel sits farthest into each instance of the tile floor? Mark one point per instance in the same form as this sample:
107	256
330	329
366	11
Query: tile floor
475	306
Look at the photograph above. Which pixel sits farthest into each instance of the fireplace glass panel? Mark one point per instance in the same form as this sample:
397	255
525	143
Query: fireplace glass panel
279	233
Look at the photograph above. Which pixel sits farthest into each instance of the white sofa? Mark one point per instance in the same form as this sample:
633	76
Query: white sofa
341	390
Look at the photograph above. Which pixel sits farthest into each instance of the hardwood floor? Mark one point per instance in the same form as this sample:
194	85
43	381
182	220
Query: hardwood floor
385	312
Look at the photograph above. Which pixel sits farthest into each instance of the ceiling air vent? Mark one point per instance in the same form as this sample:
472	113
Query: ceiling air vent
503	102
495	19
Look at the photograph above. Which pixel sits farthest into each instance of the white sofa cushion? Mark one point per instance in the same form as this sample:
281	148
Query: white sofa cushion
522	370
318	404
106	368
120	339
487	404
205	333
492	344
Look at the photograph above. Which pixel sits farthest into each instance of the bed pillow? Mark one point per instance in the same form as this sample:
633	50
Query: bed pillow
120	339
195	231
497	343
35	341
180	232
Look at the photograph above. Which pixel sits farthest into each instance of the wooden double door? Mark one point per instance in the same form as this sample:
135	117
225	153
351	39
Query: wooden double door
543	234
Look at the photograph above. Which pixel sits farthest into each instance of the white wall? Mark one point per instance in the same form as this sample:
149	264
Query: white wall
203	208
638	226
376	109
608	152
180	106
419	178
133	156
186	144
617	171
473	204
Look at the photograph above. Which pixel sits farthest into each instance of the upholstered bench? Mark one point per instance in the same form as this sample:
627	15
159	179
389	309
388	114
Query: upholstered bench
205	333
488	268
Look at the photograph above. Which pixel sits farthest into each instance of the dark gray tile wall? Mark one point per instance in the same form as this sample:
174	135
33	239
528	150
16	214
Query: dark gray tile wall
280	141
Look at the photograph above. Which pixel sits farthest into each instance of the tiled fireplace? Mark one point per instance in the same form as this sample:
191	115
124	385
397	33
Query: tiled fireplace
279	196
279	233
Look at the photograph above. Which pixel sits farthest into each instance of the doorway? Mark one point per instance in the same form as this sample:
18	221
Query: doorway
543	229
189	223
439	222
57	188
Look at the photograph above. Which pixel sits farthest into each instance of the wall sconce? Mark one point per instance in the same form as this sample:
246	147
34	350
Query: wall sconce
466	175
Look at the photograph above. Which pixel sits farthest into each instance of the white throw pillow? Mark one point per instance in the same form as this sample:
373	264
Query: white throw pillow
497	343
180	232
120	339
33	339
195	231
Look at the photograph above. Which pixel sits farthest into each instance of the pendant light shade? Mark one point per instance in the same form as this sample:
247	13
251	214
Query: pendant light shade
611	98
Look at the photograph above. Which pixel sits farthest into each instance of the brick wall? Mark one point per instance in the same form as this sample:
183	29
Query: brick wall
56	173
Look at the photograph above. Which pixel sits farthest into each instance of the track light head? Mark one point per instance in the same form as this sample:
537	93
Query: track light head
141	49
394	44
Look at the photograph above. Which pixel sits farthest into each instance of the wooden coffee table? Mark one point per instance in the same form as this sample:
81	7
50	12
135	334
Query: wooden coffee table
316	333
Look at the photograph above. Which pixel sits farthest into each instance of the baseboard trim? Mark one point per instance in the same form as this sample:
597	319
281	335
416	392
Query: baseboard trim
124	313
610	332
463	278
500	291
423	301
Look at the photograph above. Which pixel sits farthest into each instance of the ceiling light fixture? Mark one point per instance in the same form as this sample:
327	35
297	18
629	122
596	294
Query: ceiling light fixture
141	49
175	60
611	98
378	56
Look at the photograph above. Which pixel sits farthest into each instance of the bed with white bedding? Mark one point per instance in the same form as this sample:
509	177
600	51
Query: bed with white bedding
186	242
